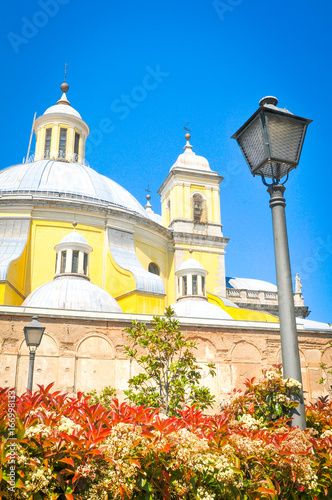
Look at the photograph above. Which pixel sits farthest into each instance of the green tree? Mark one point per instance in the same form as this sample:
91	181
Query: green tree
170	373
104	397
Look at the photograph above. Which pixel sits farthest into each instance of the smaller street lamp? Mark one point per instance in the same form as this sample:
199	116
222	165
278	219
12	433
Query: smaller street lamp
33	335
271	142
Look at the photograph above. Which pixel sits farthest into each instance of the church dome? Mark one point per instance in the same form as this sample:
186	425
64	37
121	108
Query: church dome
74	293
198	308
65	180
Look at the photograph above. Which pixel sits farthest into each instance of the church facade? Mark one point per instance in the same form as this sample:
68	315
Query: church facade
80	252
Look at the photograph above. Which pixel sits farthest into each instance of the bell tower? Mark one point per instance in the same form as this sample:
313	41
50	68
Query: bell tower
190	207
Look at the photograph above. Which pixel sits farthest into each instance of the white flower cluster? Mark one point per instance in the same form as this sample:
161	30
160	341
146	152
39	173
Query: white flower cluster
282	398
251	423
203	494
39	429
68	426
292	383
272	375
38	481
327	433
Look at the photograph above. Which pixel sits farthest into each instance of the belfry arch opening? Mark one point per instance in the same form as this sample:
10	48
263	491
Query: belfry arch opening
199	208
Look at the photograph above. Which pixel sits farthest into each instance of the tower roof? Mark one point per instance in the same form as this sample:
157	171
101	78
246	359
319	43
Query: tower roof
189	160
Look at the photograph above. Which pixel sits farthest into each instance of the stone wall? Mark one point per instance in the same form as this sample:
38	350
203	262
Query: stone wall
81	354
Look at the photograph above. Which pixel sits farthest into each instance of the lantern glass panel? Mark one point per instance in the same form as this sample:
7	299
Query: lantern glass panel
286	138
252	144
33	336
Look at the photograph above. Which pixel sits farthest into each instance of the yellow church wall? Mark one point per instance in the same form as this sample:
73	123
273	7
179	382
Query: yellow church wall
118	280
142	303
2	292
165	214
242	314
149	250
11	297
216	205
171	297
186	201
16	276
210	261
41	254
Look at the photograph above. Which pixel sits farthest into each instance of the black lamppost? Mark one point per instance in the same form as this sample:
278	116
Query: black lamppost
271	142
33	335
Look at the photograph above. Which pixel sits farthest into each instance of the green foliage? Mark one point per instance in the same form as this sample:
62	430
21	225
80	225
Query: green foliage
170	373
269	399
66	449
104	397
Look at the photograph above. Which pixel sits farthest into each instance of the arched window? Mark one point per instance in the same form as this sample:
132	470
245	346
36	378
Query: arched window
199	208
154	269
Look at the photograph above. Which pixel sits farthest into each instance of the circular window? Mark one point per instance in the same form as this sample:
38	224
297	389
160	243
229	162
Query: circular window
154	269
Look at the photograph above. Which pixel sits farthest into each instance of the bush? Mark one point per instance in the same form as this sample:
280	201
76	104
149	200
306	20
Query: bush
67	449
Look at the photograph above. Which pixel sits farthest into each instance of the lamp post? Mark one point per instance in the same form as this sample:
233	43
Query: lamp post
271	142
33	335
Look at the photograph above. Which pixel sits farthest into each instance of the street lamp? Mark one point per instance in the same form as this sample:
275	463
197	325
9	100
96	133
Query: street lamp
271	142
33	335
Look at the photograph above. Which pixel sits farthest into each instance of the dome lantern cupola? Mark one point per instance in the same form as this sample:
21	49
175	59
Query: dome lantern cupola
60	132
191	300
72	255
191	280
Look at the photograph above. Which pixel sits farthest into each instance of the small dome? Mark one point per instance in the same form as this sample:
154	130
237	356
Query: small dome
74	293
190	160
64	109
74	237
191	264
198	308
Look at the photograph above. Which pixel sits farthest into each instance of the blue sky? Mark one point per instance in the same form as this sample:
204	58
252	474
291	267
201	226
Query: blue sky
212	62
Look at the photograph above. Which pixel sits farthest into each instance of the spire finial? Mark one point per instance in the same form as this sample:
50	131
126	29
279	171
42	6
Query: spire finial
64	88
188	147
187	136
148	206
74	224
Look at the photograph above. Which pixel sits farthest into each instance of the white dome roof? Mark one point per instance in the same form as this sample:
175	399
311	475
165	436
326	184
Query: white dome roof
250	284
71	292
191	264
53	179
74	237
189	160
62	108
198	308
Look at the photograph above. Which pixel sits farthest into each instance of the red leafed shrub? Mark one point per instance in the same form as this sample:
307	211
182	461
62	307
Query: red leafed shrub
57	447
